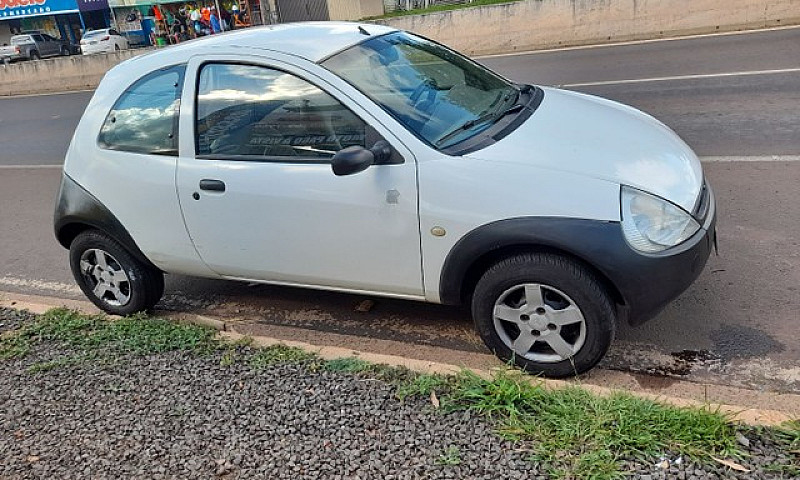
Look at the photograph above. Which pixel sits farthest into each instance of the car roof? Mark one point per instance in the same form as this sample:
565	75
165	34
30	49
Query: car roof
313	41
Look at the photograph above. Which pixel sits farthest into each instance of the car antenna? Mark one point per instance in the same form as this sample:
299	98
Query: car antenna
362	30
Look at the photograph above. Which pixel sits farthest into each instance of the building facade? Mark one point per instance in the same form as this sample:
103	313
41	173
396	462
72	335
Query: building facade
66	19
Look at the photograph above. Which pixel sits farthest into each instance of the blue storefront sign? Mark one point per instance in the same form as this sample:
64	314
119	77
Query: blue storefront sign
31	8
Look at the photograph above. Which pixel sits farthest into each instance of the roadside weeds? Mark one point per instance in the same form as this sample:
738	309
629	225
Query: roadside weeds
569	432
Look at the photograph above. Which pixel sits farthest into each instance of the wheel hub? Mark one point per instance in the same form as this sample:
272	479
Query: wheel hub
539	322
106	277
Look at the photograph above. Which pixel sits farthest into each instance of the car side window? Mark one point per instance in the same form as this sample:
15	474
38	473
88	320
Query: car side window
250	112
145	117
38	38
113	32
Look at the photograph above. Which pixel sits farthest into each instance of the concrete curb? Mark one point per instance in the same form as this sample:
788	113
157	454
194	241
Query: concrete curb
750	413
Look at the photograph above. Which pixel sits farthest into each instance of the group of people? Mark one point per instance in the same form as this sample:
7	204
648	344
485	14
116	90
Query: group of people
196	21
207	21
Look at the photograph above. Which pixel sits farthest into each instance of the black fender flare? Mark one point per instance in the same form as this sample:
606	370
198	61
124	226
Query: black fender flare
586	240
77	210
641	284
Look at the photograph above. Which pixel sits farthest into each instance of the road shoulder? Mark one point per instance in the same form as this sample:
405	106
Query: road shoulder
748	406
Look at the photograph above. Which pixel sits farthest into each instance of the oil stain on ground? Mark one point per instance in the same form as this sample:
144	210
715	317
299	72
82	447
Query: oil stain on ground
736	341
729	342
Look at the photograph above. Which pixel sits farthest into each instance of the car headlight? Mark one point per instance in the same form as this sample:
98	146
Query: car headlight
652	224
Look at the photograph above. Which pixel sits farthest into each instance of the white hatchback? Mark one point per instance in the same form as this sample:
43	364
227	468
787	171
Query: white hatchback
360	158
106	40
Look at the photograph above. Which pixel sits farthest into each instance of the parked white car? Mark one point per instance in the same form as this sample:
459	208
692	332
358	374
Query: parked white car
106	40
363	159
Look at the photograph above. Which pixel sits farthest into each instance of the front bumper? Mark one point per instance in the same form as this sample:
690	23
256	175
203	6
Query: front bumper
648	282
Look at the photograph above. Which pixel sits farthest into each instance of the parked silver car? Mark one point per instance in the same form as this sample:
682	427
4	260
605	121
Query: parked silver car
33	46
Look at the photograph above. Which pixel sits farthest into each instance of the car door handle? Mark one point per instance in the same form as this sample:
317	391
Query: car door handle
212	185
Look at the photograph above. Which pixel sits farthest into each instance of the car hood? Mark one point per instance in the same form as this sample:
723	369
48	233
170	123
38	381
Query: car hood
603	139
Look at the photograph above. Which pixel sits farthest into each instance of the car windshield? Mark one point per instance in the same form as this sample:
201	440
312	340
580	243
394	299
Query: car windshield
441	96
20	40
95	33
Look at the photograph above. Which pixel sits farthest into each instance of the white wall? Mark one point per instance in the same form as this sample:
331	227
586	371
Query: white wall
534	24
77	72
354	9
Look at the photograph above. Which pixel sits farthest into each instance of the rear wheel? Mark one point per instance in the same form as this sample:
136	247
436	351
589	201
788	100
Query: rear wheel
35	55
547	313
112	278
116	47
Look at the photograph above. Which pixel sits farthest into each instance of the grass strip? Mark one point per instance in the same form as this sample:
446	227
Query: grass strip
438	8
570	431
277	354
138	335
789	433
580	435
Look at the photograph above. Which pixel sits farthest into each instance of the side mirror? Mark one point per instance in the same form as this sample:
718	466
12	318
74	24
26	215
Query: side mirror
350	160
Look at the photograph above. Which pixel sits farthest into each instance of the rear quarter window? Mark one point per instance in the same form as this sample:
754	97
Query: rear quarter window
145	117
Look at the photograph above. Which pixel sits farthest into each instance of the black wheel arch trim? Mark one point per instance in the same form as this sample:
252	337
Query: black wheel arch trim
77	210
641	284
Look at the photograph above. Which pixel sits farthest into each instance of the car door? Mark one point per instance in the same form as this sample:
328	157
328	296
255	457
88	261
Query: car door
117	39
259	197
53	46
38	44
45	48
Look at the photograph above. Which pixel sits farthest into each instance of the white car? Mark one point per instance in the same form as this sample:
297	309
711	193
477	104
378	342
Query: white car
363	159
106	40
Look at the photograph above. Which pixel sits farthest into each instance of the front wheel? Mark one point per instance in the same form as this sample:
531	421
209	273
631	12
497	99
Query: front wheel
112	278
546	313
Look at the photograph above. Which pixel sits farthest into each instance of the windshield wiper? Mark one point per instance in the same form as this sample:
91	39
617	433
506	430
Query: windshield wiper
515	107
463	127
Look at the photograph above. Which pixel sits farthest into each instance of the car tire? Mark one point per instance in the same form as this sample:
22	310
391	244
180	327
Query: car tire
65	52
550	302
116	47
112	278
35	55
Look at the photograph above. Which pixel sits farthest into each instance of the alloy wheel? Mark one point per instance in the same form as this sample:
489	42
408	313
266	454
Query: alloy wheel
106	276
539	322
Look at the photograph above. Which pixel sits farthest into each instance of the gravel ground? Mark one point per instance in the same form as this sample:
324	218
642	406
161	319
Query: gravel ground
183	416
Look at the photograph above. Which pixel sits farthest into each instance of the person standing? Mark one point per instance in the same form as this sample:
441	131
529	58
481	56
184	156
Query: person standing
225	17
195	17
214	21
181	18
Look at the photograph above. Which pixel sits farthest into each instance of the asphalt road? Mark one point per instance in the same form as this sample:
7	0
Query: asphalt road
736	96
